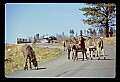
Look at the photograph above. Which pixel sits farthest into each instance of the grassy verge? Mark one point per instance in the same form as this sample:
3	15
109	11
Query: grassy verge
57	44
14	59
109	41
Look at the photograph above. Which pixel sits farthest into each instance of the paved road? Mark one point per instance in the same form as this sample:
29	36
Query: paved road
61	67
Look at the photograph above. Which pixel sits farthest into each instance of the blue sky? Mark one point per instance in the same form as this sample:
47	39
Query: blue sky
26	20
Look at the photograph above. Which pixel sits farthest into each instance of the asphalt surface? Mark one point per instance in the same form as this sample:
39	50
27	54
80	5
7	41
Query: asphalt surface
61	67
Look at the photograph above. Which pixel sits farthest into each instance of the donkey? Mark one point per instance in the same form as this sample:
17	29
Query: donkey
74	50
74	46
28	53
95	44
68	48
82	48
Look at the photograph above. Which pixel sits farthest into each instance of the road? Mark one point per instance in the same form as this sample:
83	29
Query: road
61	67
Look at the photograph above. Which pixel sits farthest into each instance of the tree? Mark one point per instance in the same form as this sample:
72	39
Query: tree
111	32
104	31
63	34
70	32
94	32
100	15
114	32
37	36
29	39
90	30
87	32
84	32
101	31
34	37
76	33
81	32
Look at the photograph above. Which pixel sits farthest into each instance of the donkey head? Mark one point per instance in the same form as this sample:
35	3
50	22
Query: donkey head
34	61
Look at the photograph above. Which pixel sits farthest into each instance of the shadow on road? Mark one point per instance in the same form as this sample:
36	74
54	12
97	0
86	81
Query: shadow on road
101	59
106	59
39	68
96	59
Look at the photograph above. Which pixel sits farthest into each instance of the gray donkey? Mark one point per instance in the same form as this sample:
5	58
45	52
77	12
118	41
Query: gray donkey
28	53
94	44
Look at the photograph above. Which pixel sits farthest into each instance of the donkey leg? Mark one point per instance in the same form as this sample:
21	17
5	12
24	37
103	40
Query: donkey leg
87	52
103	53
86	55
30	64
72	51
98	51
64	48
91	54
82	54
73	55
68	54
26	66
76	55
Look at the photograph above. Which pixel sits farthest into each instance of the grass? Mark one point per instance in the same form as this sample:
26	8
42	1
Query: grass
109	41
14	59
57	44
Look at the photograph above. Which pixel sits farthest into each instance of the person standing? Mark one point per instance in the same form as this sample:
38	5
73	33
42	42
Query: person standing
64	45
82	45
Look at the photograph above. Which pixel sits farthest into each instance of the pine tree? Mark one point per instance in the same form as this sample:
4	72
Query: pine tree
91	31
84	32
70	32
81	32
94	32
87	32
100	15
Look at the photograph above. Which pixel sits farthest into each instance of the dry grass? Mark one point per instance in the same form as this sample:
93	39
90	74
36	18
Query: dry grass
110	41
14	59
57	44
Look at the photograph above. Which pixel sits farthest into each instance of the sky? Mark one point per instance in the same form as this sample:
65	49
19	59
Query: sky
28	19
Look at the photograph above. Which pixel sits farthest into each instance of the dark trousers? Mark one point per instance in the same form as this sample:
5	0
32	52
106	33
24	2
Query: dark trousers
69	53
84	52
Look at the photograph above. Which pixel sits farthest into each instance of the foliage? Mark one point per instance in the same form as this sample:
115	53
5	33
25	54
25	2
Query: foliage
81	32
100	15
71	32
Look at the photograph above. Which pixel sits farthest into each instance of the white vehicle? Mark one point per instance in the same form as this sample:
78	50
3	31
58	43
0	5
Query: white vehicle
50	39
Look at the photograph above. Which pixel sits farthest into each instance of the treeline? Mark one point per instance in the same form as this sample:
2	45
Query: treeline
85	32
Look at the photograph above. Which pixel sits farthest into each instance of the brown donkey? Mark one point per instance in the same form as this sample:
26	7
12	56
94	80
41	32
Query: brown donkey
29	54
